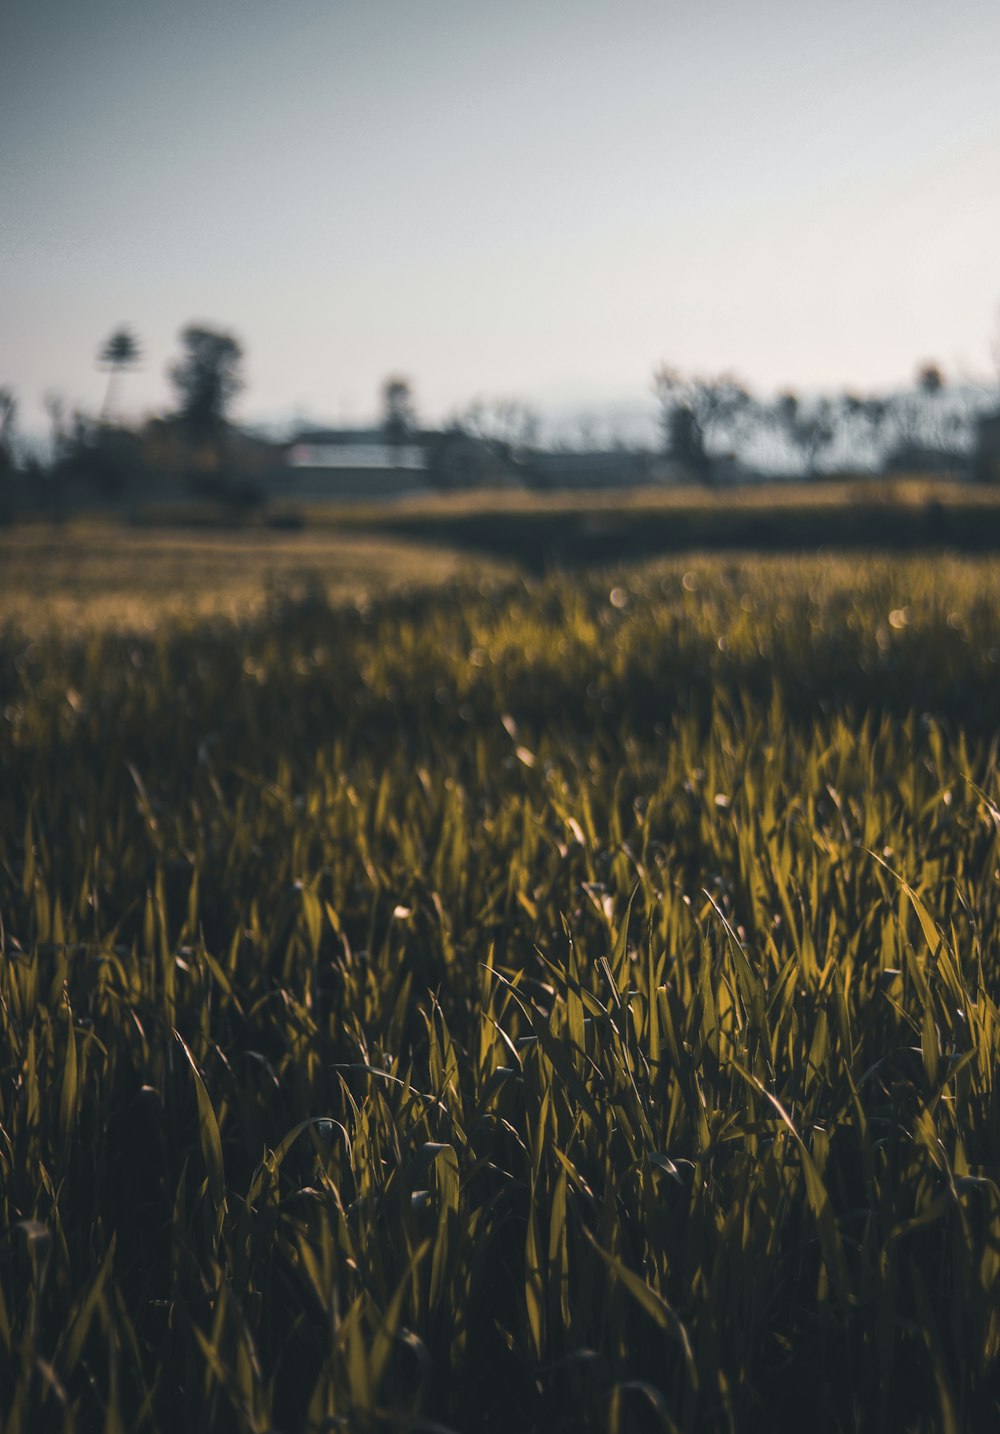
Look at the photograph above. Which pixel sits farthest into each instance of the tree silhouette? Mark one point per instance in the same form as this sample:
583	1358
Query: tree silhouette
930	379
207	378
399	417
507	425
120	351
696	413
8	419
810	428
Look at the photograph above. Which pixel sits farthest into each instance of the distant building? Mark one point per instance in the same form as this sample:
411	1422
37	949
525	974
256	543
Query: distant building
458	459
350	448
612	468
351	463
922	458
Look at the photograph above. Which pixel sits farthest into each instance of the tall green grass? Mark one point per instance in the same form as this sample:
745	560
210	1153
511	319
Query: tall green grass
569	1007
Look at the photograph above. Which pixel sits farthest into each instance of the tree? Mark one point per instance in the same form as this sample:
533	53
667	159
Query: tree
399	416
930	379
55	409
809	428
120	351
8	421
207	379
699	413
922	421
685	439
862	421
506	425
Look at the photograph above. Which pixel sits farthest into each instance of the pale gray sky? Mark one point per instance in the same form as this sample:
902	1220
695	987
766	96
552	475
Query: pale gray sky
539	199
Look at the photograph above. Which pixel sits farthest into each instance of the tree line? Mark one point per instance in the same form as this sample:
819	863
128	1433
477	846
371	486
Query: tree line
931	424
707	425
206	379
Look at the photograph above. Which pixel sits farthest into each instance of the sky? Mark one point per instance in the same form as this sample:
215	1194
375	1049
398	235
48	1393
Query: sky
540	200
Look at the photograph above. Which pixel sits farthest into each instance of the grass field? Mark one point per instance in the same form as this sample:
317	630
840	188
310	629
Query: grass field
496	1004
542	532
92	575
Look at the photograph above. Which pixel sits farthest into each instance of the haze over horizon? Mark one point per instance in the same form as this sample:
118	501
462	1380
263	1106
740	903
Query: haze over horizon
536	200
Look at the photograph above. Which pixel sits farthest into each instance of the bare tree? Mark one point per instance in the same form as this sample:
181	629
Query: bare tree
699	414
924	422
55	410
507	425
861	421
810	428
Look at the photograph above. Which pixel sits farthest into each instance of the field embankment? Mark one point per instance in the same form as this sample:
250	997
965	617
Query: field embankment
548	532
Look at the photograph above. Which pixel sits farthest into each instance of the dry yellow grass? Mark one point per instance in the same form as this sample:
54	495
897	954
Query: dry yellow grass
96	573
99	575
903	491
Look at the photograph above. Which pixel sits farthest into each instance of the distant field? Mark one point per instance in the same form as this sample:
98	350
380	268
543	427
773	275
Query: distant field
543	531
218	562
547	531
103	574
449	1000
899	491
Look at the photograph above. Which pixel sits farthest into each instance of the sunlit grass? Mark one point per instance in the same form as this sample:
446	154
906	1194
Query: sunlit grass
566	1004
892	491
90	574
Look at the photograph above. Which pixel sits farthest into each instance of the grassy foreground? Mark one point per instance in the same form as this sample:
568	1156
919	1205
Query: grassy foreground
563	1006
